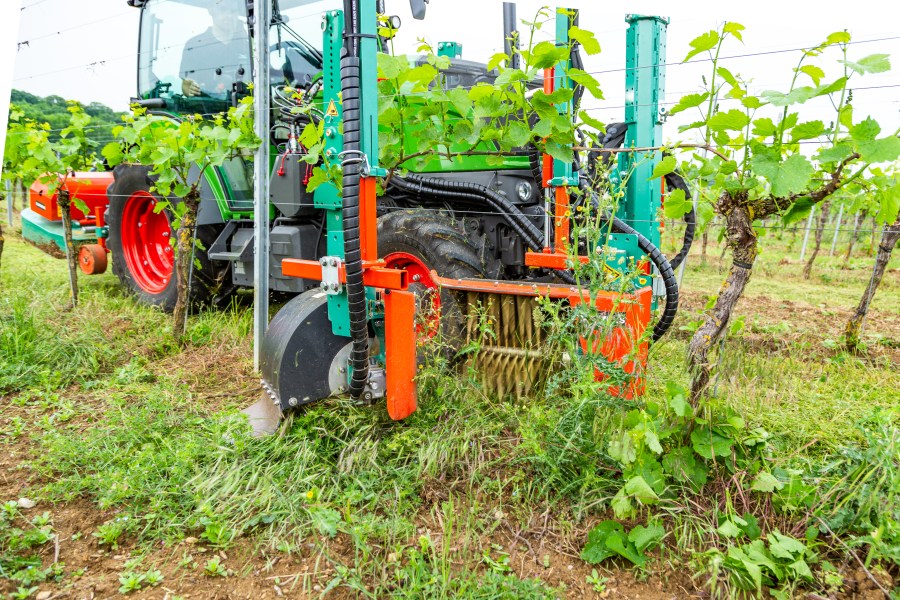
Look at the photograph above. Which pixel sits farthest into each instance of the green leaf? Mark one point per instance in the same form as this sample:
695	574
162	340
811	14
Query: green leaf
546	54
702	43
733	119
766	482
815	73
684	467
621	504
621	448
689	101
889	203
619	543
734	29
710	445
326	520
558	151
664	167
764	127
874	63
866	130
518	133
729	528
646	538
496	60
591	121
595	550
836	153
676	206
784	546
589	82
587	40
807	130
883	150
639	489
319	176
838	37
788	177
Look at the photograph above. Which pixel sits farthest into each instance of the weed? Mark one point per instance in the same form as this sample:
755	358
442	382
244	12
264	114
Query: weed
215	568
597	583
109	533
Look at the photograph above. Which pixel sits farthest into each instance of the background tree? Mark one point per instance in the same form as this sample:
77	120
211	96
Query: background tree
173	149
768	162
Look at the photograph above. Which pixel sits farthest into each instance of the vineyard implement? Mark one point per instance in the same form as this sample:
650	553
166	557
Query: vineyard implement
374	279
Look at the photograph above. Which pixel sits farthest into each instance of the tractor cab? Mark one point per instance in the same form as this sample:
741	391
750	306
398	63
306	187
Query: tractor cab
195	56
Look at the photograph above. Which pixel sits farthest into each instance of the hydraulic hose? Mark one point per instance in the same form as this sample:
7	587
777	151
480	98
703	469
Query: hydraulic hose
665	270
356	291
473	191
676	181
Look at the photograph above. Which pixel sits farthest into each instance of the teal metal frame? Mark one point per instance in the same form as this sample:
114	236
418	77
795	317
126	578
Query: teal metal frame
645	76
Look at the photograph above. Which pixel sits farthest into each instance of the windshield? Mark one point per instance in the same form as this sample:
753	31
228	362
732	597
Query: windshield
191	56
296	41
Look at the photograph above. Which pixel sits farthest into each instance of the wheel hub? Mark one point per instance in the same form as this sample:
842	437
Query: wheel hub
145	238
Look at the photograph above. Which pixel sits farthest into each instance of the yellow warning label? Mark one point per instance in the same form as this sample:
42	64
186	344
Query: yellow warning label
332	110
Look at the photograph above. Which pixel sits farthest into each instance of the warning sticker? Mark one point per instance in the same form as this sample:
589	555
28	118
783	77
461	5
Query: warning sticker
332	110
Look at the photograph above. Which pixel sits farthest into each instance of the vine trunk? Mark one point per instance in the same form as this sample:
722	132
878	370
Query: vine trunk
820	228
183	263
741	239
889	238
65	204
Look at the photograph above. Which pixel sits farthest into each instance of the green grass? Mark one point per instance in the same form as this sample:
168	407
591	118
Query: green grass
148	432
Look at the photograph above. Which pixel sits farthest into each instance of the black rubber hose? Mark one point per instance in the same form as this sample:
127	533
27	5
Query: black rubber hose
676	181
524	228
517	219
356	291
665	270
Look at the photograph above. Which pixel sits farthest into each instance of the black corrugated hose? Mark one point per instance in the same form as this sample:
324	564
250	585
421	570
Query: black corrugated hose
356	291
665	270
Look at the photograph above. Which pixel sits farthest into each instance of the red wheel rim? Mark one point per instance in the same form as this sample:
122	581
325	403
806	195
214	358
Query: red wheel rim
145	243
423	285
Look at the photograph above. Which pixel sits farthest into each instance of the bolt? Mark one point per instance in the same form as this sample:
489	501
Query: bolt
334	262
323	261
139	224
165	234
417	277
335	287
292	402
374	385
146	263
342	370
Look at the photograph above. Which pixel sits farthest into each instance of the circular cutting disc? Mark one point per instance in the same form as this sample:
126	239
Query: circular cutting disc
300	354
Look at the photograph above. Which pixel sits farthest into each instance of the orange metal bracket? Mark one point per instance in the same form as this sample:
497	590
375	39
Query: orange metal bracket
368	220
373	274
558	256
400	352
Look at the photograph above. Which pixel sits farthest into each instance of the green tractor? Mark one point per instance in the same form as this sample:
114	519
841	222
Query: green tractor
359	269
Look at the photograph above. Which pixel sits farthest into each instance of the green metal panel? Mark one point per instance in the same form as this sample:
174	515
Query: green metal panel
327	196
450	49
644	93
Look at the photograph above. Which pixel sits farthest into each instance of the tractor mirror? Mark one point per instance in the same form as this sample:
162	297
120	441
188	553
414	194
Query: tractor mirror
418	8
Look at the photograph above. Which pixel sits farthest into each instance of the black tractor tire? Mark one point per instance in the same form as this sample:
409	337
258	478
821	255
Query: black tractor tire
440	244
210	283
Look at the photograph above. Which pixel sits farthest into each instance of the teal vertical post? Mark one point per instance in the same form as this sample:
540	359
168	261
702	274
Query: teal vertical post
327	195
645	76
368	81
562	170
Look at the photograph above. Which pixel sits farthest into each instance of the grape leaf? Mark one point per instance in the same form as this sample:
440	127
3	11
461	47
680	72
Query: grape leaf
807	130
664	167
587	40
786	177
676	206
733	119
702	43
689	101
874	63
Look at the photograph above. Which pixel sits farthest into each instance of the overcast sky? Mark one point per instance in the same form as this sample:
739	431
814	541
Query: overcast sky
86	50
